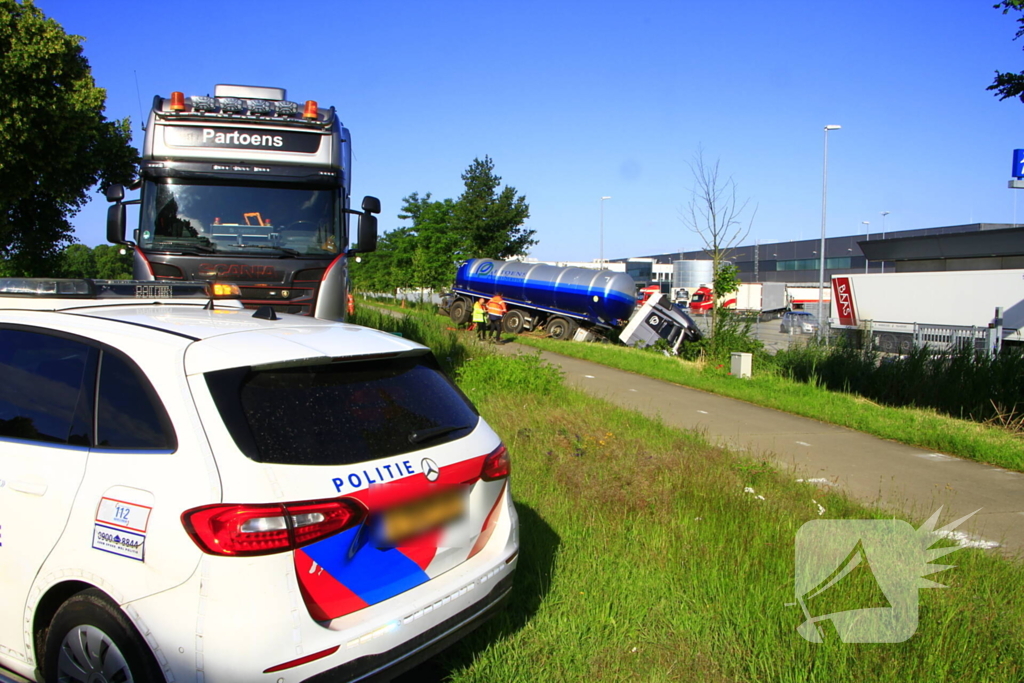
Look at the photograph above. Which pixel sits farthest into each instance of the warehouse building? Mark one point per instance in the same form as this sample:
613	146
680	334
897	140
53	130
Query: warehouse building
976	246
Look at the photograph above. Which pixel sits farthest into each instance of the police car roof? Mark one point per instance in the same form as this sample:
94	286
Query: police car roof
222	336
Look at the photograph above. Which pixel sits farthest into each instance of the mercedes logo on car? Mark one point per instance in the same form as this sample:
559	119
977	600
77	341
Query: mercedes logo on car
430	469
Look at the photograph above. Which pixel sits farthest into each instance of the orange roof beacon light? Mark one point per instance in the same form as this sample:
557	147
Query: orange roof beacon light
177	101
311	110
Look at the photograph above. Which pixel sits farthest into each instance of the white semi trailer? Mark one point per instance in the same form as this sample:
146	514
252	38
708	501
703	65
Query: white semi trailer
904	310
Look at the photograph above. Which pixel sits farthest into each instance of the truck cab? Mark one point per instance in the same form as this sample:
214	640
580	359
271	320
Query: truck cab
250	188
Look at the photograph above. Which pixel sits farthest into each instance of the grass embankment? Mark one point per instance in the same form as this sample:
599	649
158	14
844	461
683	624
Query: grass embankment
644	558
925	428
922	427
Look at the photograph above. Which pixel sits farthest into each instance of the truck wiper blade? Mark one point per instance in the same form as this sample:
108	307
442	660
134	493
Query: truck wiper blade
186	248
283	250
421	435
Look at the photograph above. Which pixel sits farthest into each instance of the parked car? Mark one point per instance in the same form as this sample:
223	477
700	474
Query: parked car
191	491
802	322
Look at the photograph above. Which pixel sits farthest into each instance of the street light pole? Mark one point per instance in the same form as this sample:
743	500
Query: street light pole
601	258
884	214
821	253
866	237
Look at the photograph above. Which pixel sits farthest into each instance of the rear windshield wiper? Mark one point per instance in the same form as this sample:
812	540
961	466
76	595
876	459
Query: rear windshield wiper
421	435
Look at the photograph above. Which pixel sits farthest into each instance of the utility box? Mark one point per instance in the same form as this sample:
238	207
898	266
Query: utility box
741	363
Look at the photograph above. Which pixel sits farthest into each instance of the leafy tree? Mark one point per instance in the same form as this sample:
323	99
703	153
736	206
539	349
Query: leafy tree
713	213
1007	85
77	260
484	222
727	279
105	262
111	263
439	248
55	143
491	221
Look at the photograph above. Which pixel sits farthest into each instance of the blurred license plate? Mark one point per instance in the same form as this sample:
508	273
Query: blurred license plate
419	516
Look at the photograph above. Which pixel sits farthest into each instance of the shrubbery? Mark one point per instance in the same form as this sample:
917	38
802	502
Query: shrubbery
963	383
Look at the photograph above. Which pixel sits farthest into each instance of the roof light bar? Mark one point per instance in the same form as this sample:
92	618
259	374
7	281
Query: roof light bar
53	288
259	107
203	103
231	105
26	286
286	108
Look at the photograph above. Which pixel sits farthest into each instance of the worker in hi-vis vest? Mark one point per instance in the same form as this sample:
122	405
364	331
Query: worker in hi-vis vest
496	308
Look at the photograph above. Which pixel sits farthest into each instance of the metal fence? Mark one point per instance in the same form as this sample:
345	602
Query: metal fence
936	337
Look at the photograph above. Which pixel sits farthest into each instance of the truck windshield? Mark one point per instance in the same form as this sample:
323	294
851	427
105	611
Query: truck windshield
251	220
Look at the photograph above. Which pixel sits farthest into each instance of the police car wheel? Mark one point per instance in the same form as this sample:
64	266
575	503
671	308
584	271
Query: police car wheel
90	639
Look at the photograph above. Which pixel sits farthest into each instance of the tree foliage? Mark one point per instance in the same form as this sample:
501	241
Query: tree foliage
727	279
484	222
55	143
105	262
714	214
491	221
1008	84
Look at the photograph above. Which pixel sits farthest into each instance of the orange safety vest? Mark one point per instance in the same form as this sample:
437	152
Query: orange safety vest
496	306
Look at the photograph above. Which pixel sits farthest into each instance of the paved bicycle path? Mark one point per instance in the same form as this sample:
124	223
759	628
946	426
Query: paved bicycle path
873	470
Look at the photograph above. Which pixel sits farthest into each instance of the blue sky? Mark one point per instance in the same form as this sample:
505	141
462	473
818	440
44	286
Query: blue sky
578	100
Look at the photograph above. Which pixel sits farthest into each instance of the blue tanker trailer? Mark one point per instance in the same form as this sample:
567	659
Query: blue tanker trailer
558	300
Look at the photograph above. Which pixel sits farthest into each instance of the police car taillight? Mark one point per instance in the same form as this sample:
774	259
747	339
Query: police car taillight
264	529
497	464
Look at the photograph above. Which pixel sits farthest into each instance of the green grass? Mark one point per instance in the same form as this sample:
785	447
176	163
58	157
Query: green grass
925	428
643	558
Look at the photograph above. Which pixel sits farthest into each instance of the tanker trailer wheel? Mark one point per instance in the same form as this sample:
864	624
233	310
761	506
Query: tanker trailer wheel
459	312
561	328
906	344
513	322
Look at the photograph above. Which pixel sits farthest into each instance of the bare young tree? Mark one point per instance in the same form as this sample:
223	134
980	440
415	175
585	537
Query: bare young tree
714	214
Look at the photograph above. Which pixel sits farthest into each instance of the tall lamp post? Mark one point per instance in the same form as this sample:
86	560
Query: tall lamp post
821	253
867	237
601	258
884	214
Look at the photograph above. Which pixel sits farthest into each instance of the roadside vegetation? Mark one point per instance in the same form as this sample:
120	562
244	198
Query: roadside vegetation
808	382
649	554
773	386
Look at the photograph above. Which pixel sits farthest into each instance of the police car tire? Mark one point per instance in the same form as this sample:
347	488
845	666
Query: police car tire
93	611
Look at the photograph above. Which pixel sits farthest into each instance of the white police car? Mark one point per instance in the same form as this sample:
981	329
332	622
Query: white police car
193	492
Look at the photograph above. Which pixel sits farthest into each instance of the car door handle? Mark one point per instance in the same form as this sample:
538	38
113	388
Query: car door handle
28	487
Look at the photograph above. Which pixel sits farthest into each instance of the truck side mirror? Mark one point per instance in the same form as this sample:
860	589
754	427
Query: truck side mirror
115	193
368	225
367	233
116	221
371	204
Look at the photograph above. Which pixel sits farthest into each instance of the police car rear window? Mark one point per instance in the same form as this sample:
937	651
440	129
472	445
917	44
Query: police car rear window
341	413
